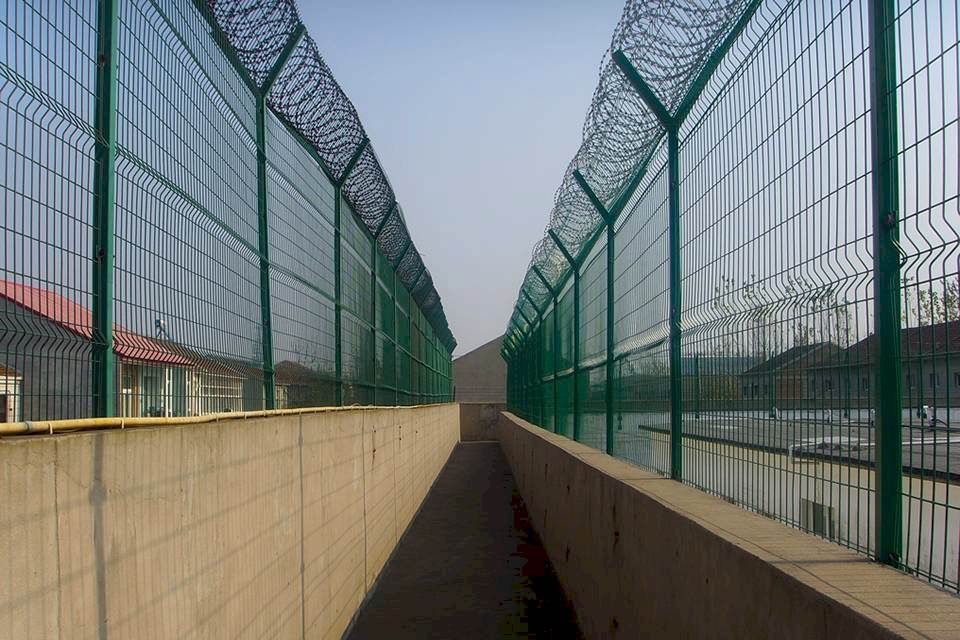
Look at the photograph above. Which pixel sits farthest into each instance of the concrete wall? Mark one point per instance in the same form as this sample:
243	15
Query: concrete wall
259	528
642	556
478	420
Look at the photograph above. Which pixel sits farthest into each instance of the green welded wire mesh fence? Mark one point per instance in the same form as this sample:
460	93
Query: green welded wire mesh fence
752	266
195	221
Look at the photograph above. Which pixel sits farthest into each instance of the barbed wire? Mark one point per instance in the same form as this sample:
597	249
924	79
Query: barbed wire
306	95
668	42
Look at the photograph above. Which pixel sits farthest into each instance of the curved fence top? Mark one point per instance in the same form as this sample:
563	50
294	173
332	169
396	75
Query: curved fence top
308	97
670	44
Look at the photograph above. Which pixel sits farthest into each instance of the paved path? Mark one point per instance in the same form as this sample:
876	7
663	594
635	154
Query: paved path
469	565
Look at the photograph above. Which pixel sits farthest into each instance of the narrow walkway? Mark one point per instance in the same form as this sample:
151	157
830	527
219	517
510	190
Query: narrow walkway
470	566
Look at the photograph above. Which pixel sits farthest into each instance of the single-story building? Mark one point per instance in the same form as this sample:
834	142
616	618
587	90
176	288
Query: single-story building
825	375
45	355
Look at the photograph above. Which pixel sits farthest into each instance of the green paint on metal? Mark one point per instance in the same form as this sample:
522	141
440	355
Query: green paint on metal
574	268
285	54
610	320
374	292
354	159
698	85
420	274
263	228
526	319
556	345
594	200
181	164
337	287
886	268
676	372
556	365
532	304
671	125
787	342
224	45
104	211
402	254
611	341
545	282
309	148
383	223
641	87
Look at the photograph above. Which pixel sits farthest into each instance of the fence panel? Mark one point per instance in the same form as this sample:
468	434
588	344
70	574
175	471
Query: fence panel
816	192
47	105
928	68
170	223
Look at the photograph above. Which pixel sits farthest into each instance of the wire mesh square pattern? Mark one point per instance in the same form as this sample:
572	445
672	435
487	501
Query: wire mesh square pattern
757	243
195	221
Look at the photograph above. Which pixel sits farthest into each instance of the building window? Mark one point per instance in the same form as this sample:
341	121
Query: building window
956	379
220	393
865	384
828	385
934	380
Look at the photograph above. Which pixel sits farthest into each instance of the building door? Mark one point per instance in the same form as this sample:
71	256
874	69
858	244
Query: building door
3	408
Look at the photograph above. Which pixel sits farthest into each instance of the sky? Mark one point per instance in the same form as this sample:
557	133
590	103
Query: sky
474	109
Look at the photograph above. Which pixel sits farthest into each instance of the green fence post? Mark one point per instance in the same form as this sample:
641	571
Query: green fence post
676	363
539	354
556	343
374	291
886	267
337	251
263	222
609	218
575	268
671	126
269	388
104	194
611	342
577	435
337	322
556	364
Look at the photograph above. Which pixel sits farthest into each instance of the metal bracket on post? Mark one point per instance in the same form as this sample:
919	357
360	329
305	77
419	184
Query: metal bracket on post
104	198
263	223
672	126
403	253
539	352
576	331
556	345
383	223
269	383
337	323
337	239
609	219
886	286
354	159
374	292
416	279
285	54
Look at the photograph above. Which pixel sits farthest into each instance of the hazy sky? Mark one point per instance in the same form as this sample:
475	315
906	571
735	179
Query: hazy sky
474	109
